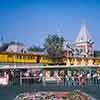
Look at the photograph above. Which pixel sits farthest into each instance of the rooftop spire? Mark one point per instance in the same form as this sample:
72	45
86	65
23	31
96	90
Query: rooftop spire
84	35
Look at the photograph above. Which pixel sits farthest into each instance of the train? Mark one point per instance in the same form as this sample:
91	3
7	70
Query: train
31	58
40	58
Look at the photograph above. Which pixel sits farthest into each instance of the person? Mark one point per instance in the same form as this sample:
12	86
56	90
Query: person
66	80
88	75
10	77
79	77
5	79
98	79
40	77
73	80
83	81
76	79
95	78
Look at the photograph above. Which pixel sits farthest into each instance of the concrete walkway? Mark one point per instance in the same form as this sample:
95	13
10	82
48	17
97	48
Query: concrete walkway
9	92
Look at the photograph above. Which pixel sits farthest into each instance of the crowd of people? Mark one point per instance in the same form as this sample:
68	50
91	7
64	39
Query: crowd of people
82	78
4	79
77	78
70	78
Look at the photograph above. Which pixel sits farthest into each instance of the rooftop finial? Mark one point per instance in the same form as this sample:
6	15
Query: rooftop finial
84	35
83	22
1	40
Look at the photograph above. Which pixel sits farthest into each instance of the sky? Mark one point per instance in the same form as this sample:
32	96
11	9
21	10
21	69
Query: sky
30	21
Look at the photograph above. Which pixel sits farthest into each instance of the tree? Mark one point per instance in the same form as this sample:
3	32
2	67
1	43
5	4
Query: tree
97	53
54	47
36	49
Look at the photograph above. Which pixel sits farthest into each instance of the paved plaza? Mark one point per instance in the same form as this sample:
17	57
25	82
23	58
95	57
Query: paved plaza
9	92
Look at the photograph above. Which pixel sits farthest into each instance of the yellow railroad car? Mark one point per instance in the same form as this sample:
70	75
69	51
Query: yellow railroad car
6	57
32	58
37	58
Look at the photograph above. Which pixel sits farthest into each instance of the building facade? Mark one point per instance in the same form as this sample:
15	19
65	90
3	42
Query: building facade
83	45
85	42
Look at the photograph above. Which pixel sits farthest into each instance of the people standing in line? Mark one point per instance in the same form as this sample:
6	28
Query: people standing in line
88	76
98	78
95	78
5	80
72	81
40	77
66	80
10	77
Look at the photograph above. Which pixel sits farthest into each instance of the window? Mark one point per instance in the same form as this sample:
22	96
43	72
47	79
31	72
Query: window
9	56
19	57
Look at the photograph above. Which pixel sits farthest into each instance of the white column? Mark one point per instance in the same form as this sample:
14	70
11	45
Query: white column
90	62
83	62
68	62
75	62
20	78
43	78
56	76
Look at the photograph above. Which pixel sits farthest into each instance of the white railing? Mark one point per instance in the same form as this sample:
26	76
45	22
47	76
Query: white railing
53	66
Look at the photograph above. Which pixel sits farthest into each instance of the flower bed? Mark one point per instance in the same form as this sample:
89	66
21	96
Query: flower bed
75	95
